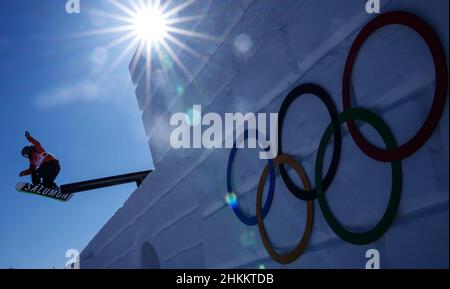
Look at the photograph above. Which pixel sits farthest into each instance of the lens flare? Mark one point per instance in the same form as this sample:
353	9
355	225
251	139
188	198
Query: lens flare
193	117
231	199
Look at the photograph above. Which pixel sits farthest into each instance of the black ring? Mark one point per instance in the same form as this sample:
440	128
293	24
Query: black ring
332	110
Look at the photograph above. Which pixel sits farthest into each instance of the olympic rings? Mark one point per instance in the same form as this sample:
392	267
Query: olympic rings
250	221
318	91
440	93
300	248
392	153
394	200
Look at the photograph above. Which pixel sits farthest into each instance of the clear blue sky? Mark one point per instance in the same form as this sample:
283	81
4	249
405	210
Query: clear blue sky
50	84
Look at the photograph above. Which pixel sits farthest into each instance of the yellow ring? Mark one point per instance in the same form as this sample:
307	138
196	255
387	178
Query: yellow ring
301	246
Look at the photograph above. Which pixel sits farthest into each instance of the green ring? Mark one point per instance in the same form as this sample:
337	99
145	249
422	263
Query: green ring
376	232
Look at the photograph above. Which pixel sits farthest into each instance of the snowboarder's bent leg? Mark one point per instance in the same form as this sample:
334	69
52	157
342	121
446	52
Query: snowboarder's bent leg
49	171
35	178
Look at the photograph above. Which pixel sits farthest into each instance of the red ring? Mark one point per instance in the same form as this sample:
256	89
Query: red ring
440	95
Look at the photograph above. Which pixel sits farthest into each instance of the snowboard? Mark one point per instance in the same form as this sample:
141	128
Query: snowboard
40	190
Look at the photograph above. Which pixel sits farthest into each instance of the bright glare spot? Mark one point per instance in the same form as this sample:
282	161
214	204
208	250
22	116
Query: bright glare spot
166	62
180	90
99	55
247	238
243	43
89	90
231	199
193	117
150	25
262	267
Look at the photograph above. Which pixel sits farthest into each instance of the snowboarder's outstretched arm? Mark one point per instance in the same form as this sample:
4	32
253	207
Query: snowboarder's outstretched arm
37	144
39	149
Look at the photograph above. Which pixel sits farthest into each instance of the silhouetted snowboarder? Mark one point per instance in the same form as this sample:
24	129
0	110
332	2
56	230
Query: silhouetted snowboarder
44	167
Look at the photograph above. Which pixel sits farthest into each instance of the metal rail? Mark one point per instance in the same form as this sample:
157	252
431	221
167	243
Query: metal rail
137	178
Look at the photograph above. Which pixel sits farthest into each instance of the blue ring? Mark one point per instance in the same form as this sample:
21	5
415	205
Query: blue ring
250	221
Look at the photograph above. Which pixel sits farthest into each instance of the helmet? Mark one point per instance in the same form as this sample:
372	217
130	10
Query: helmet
28	151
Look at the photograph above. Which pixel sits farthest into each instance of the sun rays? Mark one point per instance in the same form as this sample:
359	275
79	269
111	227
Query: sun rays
148	26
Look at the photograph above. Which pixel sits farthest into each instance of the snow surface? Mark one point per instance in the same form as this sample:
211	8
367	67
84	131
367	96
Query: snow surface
179	218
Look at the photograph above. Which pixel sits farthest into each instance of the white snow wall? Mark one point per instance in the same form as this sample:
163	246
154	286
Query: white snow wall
265	49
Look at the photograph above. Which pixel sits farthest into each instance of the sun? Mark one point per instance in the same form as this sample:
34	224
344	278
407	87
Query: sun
150	25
